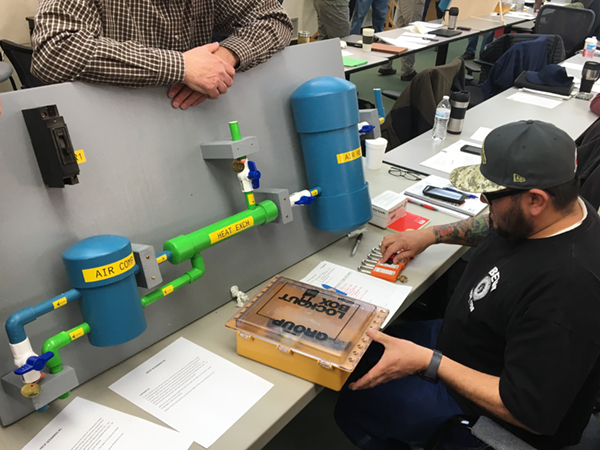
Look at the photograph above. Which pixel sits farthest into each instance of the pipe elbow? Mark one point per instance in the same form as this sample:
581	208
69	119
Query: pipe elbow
16	322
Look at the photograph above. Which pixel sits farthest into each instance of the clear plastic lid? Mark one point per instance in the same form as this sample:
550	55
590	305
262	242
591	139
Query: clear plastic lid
317	323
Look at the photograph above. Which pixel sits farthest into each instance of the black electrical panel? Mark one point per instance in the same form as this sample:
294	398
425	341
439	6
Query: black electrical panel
52	145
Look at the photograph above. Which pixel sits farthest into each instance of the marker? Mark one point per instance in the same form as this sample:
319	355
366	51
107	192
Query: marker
459	192
410	200
358	239
326	286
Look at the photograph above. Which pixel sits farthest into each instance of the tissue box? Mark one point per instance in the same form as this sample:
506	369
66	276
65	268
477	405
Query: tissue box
388	207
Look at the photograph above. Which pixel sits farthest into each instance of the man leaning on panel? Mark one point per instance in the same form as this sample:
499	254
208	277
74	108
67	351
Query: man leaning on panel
520	341
153	43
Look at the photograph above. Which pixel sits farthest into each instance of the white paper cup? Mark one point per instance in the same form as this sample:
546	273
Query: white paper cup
375	149
367	39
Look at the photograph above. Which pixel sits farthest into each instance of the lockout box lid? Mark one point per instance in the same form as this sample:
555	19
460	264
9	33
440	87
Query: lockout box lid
311	321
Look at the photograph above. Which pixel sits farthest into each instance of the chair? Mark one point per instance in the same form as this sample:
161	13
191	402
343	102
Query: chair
588	163
414	110
20	57
572	24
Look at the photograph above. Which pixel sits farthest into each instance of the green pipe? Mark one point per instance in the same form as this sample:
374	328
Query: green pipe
62	339
187	278
234	128
186	246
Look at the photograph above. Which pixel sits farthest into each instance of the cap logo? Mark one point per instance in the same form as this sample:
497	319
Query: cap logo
518	178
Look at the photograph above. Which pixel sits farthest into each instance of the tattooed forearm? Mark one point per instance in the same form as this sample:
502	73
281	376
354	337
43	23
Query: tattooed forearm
468	232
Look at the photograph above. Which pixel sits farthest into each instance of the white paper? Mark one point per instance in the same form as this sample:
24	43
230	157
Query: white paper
347	53
570	65
430	25
481	133
536	100
410	43
520	15
84	425
452	157
194	391
360	286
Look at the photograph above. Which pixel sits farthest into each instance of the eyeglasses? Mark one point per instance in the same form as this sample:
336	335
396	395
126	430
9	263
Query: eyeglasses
398	172
489	197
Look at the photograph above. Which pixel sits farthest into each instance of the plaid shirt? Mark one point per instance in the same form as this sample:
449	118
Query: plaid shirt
140	42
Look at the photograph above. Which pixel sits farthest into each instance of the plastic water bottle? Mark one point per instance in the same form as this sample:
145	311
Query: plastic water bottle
442	115
590	47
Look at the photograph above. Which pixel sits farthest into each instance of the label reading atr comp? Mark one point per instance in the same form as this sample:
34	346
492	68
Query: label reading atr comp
230	230
109	270
349	156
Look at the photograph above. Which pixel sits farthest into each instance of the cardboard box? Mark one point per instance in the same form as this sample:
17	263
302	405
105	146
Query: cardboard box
388	207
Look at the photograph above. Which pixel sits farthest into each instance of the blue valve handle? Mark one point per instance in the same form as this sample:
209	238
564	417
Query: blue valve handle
34	363
253	174
367	129
305	201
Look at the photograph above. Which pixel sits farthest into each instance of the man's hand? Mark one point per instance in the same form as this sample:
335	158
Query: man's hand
401	358
206	72
407	244
184	97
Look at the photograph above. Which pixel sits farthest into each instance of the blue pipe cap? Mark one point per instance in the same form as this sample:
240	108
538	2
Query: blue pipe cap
35	363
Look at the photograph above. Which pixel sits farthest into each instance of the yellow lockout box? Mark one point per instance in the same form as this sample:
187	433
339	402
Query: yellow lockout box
313	333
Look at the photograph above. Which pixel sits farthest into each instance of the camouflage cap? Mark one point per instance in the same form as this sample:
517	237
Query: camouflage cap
527	154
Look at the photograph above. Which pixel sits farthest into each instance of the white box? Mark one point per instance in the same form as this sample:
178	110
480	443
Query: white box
388	207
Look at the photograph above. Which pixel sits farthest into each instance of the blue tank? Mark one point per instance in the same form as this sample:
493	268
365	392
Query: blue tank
103	269
326	115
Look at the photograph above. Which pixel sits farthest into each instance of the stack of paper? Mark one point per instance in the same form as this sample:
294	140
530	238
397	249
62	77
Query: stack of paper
412	43
452	157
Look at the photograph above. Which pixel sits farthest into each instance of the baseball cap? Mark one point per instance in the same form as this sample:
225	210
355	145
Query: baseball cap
551	75
527	154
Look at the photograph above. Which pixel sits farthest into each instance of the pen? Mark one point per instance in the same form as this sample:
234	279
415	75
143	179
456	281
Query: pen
459	192
358	239
326	286
422	205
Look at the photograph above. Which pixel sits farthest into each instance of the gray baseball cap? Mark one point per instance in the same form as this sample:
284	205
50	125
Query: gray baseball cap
528	154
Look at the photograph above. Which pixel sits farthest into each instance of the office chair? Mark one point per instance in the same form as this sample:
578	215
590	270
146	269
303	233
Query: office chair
560	20
6	71
20	57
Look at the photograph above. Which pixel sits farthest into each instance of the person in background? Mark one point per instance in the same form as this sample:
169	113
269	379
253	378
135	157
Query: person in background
153	43
378	15
472	45
333	18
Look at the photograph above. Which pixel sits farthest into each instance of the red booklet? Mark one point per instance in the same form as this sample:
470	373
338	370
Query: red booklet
410	221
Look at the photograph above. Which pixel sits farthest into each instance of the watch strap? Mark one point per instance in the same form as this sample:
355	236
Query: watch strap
432	370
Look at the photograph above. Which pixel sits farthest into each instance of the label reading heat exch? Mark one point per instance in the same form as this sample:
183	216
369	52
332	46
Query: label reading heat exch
76	334
232	229
349	156
60	302
109	270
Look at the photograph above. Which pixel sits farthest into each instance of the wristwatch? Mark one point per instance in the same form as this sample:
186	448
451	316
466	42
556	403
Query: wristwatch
431	373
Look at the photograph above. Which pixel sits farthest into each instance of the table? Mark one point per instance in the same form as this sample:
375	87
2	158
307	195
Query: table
573	116
289	394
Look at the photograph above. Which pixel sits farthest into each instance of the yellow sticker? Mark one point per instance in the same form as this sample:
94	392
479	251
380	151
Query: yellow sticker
80	156
251	200
109	270
314	192
77	333
60	302
232	229
349	156
161	259
167	290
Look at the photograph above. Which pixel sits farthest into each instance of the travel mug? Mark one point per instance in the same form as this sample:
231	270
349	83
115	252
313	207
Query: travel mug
452	17
459	102
367	39
589	75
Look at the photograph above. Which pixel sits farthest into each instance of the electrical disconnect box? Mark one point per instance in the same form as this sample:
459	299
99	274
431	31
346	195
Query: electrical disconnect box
52	145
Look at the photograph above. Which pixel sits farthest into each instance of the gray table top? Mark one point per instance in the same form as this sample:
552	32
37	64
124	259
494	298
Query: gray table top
573	116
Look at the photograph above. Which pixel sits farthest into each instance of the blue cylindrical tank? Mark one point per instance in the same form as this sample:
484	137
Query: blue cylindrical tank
103	269
326	115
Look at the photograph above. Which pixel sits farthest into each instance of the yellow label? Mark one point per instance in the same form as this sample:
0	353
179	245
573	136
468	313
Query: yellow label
60	302
167	290
314	192
349	156
109	270
232	229
80	156
77	333
161	259
251	200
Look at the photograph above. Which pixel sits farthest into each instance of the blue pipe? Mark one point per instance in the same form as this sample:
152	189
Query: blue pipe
166	253
379	104
15	325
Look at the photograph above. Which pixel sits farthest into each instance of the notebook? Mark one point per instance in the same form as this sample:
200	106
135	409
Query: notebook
409	221
353	62
470	208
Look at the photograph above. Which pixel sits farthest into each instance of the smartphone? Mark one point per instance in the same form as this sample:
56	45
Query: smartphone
463	28
471	149
443	194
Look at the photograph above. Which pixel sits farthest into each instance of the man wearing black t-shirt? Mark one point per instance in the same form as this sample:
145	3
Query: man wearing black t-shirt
520	341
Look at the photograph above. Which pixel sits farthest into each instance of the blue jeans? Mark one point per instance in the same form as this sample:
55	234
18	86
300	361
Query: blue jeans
408	410
380	9
472	45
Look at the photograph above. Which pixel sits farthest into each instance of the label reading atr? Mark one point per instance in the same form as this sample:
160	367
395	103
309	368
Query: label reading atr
230	230
349	156
109	270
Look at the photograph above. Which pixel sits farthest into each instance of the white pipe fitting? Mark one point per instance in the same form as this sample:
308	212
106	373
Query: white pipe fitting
21	352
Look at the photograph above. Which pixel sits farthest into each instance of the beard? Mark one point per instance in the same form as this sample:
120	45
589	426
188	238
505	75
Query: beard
514	225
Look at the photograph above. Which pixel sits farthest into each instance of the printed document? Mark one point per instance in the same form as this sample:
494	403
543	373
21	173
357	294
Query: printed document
536	100
192	390
360	286
452	157
85	425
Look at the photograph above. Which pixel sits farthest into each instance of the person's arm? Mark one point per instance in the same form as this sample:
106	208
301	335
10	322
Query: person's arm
469	232
402	358
255	29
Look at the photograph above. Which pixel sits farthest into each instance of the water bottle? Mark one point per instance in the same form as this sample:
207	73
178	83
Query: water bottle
589	47
442	115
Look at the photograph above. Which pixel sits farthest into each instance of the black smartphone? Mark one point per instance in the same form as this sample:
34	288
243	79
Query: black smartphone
443	194
463	28
471	149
